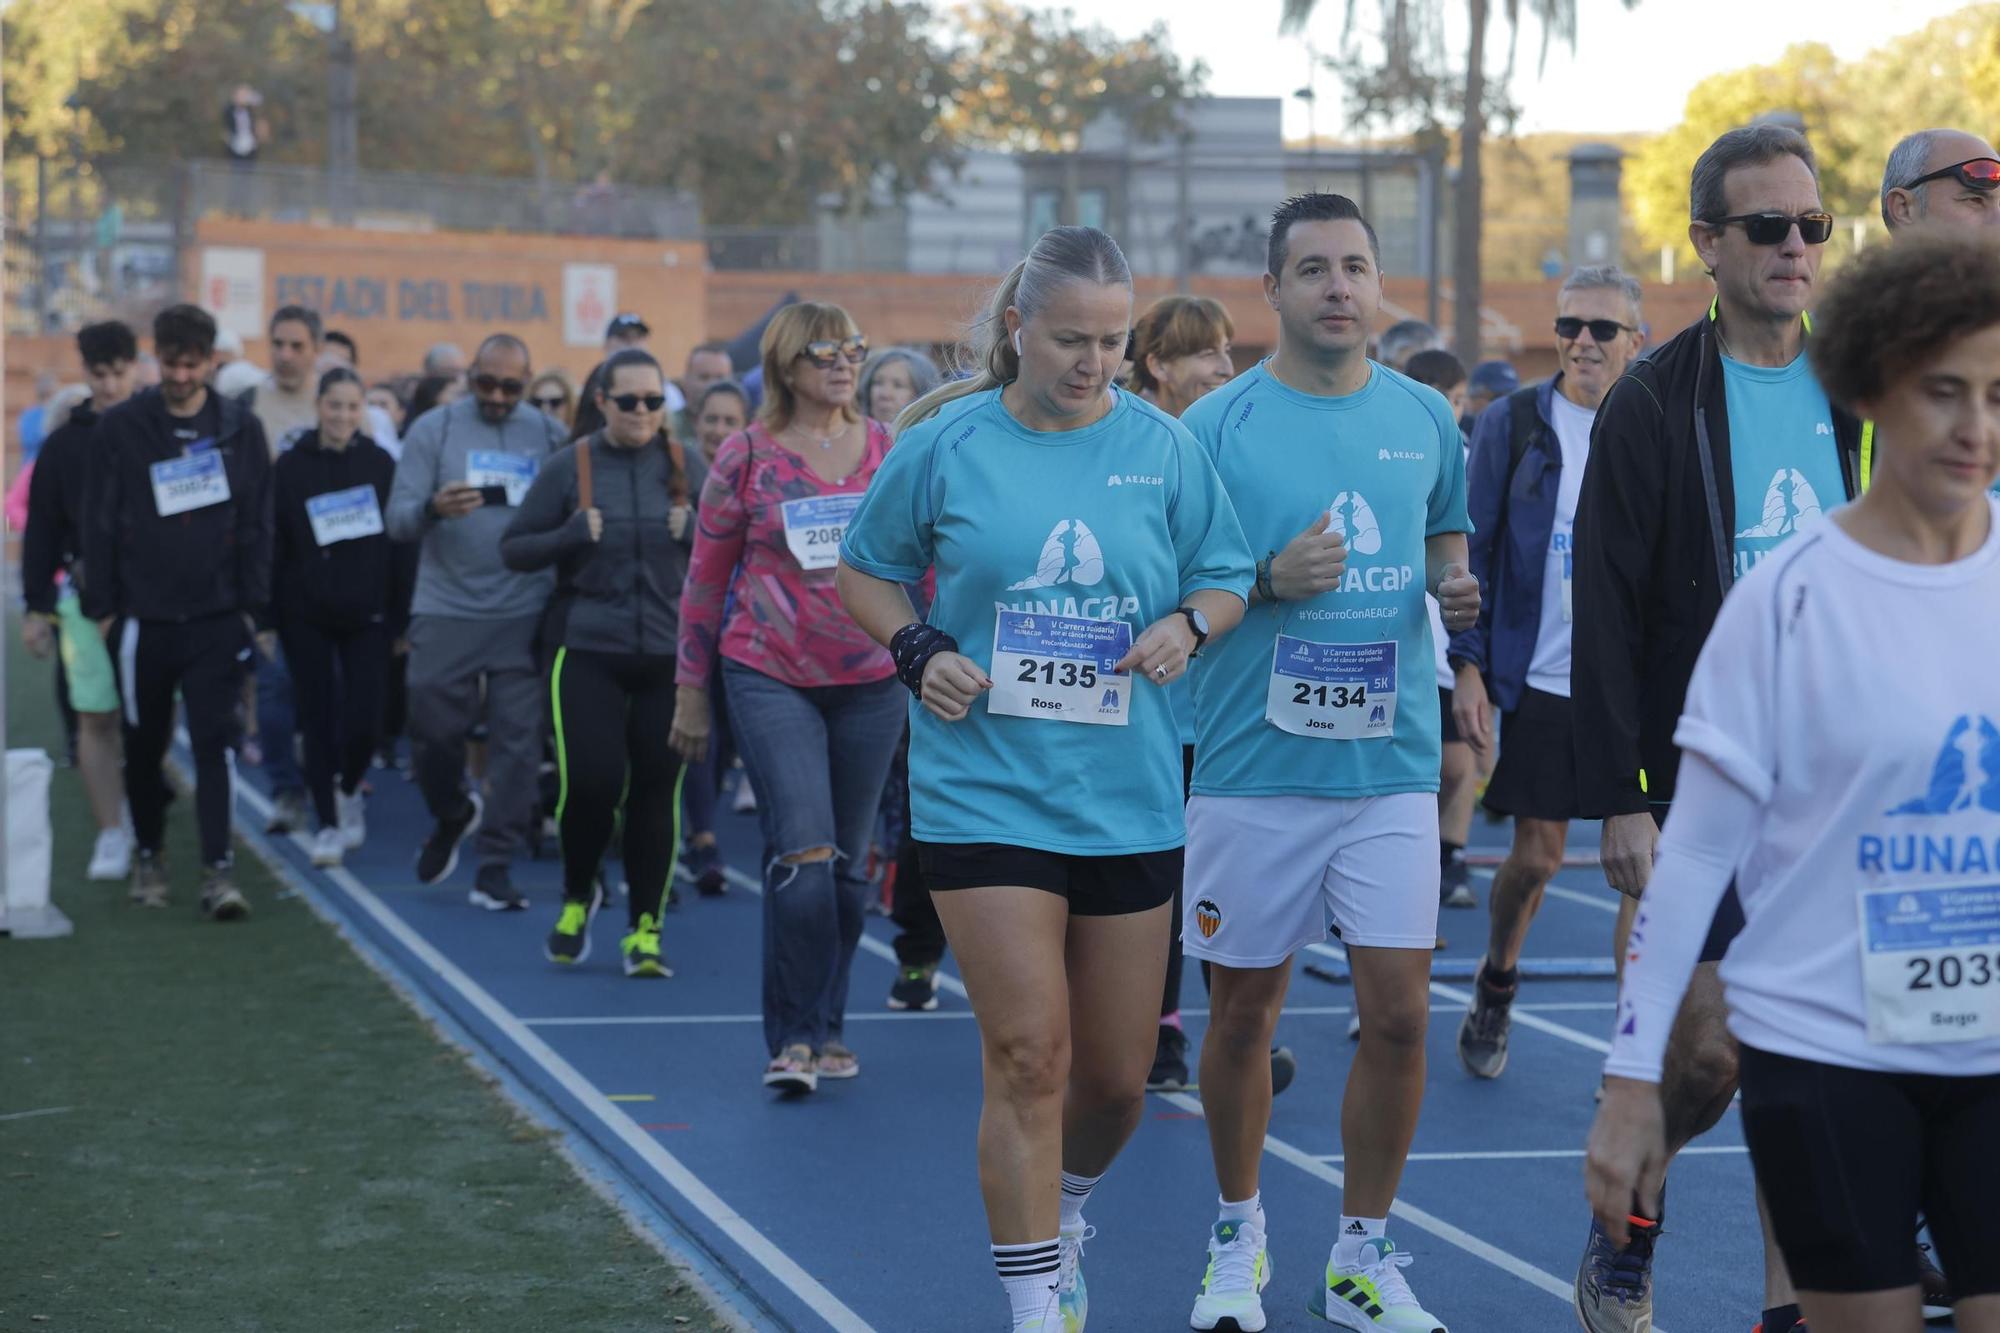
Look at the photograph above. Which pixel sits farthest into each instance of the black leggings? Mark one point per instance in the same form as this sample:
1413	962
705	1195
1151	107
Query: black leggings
612	713
337	683
206	661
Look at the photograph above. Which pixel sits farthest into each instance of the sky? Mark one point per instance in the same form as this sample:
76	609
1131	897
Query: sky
1632	69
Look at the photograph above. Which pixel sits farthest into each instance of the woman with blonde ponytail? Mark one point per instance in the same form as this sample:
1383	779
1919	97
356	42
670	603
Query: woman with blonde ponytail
1084	551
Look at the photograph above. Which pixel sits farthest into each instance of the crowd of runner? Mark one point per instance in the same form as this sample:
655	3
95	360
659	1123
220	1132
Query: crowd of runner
1105	655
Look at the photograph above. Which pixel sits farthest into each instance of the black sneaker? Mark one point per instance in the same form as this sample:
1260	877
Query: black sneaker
221	900
438	857
149	880
1937	1291
1170	1068
1482	1035
706	863
1284	1068
494	890
914	988
1455	883
288	814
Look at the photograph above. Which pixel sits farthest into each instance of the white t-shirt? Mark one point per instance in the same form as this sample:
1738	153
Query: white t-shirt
1852	703
1548	669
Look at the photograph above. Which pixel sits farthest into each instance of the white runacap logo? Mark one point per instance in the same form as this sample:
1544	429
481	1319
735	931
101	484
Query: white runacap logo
1350	516
1070	555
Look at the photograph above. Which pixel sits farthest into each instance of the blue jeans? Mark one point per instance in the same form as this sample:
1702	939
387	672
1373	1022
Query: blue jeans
277	724
818	758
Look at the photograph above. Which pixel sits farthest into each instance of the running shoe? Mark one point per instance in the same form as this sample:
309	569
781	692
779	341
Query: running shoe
836	1061
438	857
1239	1268
221	900
1482	1034
704	862
352	817
642	949
494	890
1170	1066
288	813
328	846
746	796
1614	1287
1072	1295
149	880
569	942
1284	1068
1937	1290
1455	885
793	1071
111	858
915	988
1373	1296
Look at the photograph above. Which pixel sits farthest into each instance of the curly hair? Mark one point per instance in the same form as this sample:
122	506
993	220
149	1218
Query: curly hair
1896	306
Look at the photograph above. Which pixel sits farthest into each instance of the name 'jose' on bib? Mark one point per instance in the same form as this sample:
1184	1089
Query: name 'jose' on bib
1332	691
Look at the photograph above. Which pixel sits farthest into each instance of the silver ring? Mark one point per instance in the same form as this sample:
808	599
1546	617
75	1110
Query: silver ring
1160	672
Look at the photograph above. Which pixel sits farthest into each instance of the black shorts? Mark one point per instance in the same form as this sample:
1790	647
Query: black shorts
1847	1158
1727	923
1446	722
1535	777
1094	885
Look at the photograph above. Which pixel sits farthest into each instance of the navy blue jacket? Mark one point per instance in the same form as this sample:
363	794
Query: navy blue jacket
1508	551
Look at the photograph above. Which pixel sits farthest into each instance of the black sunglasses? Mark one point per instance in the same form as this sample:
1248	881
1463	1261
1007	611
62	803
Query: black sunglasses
632	402
1978	173
1604	330
551	402
509	388
826	353
1773	228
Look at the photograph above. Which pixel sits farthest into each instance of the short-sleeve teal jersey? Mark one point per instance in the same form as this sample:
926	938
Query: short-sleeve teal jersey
1387	462
1119	520
1782	452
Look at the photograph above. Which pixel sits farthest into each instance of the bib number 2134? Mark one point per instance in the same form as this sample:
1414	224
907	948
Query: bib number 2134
1332	691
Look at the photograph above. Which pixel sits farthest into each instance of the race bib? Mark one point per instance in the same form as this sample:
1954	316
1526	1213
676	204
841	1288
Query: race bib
1332	691
490	467
1060	668
195	481
341	516
1930	963
815	525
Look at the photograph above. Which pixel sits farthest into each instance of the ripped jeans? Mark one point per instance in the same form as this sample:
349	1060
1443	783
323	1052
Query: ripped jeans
819	758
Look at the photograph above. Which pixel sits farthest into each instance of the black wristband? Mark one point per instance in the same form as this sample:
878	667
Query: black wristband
913	647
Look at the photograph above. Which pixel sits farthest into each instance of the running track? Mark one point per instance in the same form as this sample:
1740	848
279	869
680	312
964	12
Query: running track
858	1208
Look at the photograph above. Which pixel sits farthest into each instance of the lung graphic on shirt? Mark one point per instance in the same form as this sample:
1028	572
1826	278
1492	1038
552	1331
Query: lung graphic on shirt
1966	773
1350	516
1070	555
1789	502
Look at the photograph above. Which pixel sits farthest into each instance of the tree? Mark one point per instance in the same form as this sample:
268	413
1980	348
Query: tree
1416	78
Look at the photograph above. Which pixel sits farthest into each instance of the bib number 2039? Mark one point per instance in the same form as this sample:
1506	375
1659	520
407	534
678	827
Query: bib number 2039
1060	669
1930	962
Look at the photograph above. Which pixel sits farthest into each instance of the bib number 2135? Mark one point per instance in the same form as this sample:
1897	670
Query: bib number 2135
1060	668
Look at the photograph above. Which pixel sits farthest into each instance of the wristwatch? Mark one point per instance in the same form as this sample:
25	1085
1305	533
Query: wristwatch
1199	624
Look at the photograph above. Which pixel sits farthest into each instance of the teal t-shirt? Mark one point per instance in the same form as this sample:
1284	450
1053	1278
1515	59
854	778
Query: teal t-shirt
1783	453
1116	522
1350	672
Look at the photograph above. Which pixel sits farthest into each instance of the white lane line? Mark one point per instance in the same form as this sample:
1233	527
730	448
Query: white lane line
1464	997
41	1110
1416	1217
905	1016
1533	1155
669	1168
1598	900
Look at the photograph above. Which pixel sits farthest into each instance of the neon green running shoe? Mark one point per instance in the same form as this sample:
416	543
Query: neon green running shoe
642	950
569	942
1239	1269
1372	1297
1072	1296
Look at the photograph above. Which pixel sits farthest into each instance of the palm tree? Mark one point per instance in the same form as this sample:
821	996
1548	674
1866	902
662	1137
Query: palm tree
1404	23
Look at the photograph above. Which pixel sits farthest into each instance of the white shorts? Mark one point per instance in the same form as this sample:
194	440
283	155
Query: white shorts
1266	875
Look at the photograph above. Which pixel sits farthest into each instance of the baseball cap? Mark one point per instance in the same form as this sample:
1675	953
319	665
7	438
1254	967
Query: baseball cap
1494	378
624	324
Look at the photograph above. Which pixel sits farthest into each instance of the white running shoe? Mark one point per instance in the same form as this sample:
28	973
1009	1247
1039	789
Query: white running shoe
112	857
746	796
1072	1293
328	846
1372	1296
353	818
1238	1269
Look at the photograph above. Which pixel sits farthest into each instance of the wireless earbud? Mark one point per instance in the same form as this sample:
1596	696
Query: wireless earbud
1017	342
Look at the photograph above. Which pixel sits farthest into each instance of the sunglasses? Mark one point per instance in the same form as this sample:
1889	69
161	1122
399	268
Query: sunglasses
551	403
826	353
1979	173
1604	330
1773	228
632	402
507	388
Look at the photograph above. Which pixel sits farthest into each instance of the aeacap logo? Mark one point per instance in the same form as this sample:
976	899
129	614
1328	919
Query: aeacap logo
1790	502
1966	773
1351	517
1069	556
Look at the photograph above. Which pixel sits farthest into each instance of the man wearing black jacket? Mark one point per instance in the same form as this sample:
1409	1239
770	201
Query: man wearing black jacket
177	545
1707	454
51	547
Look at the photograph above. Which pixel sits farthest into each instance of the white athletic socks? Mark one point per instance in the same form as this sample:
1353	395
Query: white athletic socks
1029	1274
1354	1233
1250	1210
1075	1193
